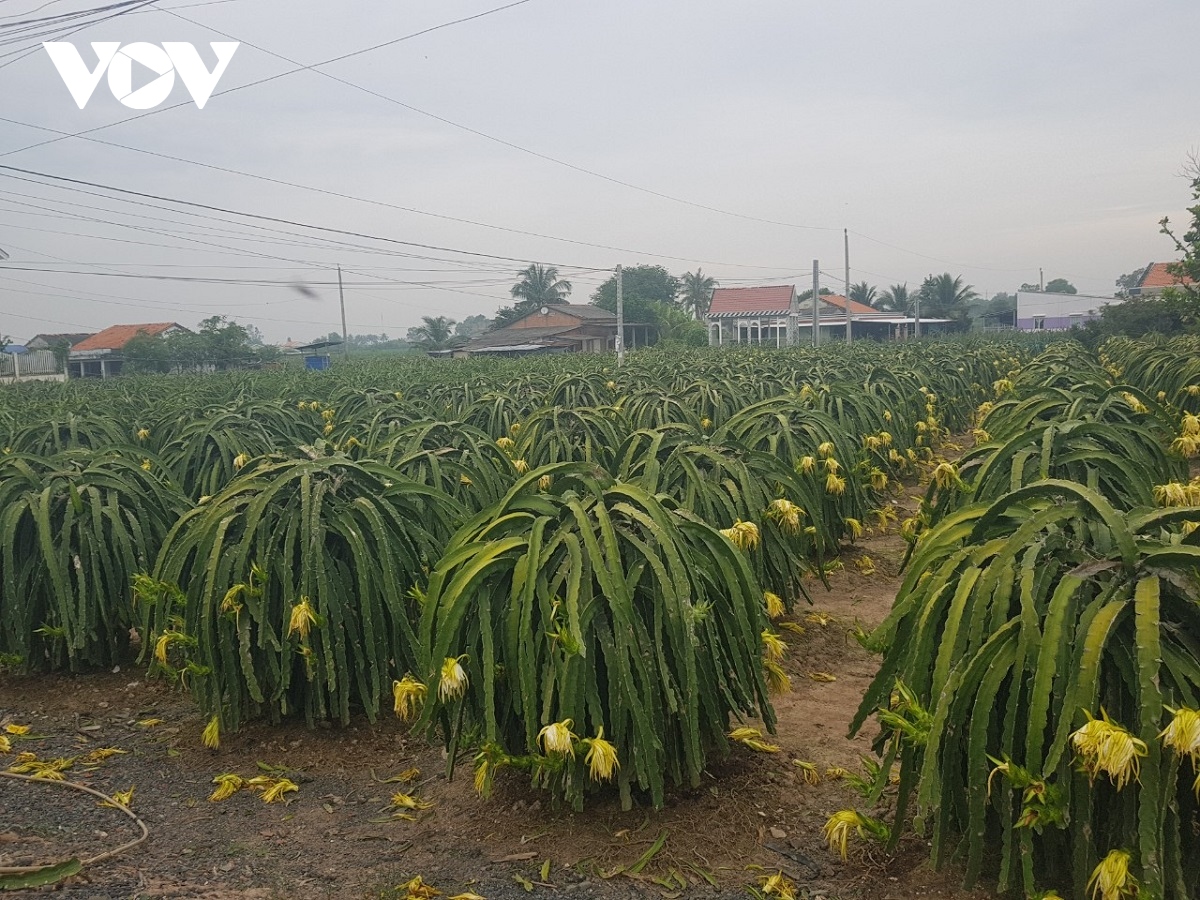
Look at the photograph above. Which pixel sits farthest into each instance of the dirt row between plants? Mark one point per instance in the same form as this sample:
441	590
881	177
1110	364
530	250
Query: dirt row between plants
753	815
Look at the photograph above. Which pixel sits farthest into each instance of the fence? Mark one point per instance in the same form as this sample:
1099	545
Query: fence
36	365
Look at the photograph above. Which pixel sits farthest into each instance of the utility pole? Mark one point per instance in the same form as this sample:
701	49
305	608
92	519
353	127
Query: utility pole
849	318
793	327
620	319
816	301
917	314
1041	280
342	301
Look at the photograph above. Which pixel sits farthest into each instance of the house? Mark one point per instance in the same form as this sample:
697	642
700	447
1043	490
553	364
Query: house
1155	278
557	328
759	315
1057	312
99	356
50	341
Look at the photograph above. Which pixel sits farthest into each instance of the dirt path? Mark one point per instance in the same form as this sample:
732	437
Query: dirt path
754	815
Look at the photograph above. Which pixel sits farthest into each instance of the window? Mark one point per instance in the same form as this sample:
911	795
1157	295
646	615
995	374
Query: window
1039	323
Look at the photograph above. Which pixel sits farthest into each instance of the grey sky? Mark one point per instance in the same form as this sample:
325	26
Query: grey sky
994	138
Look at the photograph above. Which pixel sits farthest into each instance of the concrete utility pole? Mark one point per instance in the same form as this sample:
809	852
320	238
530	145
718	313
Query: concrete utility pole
793	327
1041	280
849	318
917	314
620	319
342	301
816	300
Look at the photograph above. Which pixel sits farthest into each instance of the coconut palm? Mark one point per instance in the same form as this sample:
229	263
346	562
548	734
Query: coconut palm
538	286
894	299
435	333
945	296
541	284
863	293
695	294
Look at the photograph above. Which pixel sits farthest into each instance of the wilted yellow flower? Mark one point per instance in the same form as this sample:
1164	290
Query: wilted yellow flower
1183	733
211	738
150	723
545	482
240	460
14	728
204	499
1111	879
825	449
838	828
855	528
401	800
773	647
835	484
5	744
557	738
808	771
227	785
1134	403
1190	425
777	885
601	757
505	443
1107	747
706	423
165	640
744	535
786	513
102	753
879	479
836	773
865	565
521	465
1001	387
143	434
945	475
778	681
822	677
121	798
147	465
278	788
806	465
775	605
465	480
752	738
407	696
454	679
302	619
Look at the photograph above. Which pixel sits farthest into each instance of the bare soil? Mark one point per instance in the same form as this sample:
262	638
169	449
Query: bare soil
753	815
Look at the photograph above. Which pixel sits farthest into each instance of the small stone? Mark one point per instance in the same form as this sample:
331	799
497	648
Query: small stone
778	833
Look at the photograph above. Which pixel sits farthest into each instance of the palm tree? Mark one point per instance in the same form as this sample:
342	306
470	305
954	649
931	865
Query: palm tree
945	296
894	299
540	284
436	333
696	292
862	293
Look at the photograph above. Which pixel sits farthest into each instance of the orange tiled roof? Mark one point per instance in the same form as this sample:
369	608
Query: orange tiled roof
117	336
772	300
1157	276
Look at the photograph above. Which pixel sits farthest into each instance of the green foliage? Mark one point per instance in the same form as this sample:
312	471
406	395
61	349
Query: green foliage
1049	593
75	527
216	344
294	583
599	603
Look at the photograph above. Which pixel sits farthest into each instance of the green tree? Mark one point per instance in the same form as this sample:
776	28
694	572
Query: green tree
471	326
894	299
695	292
647	291
676	326
1130	280
1060	286
1187	269
434	333
863	293
538	286
999	310
946	297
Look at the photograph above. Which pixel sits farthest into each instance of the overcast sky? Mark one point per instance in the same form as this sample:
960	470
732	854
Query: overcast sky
983	139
